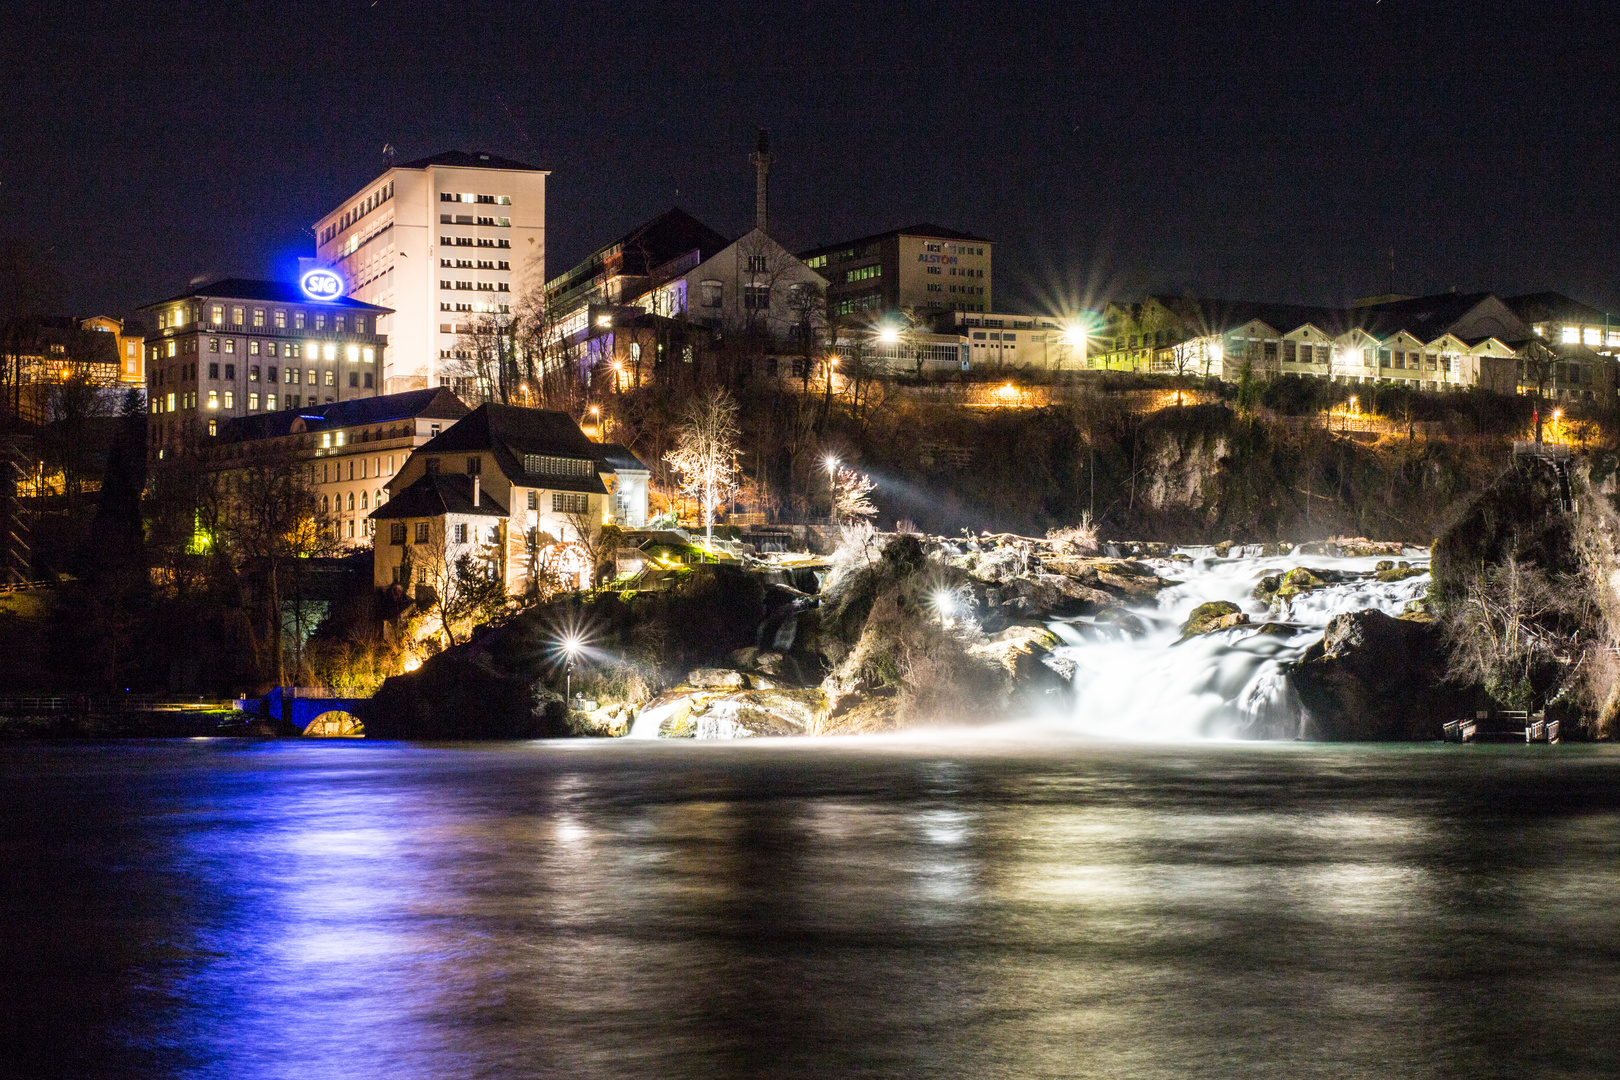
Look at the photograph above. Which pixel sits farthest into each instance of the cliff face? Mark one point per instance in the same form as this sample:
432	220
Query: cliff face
1201	473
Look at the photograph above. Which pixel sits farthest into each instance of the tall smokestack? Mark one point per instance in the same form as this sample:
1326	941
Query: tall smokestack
762	178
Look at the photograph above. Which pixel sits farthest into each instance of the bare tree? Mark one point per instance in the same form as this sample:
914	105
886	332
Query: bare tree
705	454
1538	362
599	541
486	363
467	587
852	493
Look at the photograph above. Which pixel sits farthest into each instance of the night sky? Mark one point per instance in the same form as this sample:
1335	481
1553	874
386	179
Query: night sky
1262	151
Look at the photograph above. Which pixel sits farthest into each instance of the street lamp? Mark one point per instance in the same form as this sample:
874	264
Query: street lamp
571	647
832	485
888	335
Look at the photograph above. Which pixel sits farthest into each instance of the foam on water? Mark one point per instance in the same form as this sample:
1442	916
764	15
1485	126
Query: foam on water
1222	685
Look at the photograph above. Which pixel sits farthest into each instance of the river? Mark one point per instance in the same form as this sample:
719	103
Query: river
1000	904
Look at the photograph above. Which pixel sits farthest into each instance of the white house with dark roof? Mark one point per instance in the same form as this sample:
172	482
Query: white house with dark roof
514	488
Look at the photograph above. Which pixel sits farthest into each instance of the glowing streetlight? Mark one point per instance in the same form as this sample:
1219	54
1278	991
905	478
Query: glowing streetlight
832	484
571	646
889	335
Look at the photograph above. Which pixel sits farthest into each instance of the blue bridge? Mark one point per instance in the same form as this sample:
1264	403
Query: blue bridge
311	710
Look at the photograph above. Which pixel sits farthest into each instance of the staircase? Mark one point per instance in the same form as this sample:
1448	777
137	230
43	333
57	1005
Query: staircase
1557	457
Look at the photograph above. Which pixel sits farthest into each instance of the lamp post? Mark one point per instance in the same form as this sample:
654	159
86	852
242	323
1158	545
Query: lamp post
832	486
570	650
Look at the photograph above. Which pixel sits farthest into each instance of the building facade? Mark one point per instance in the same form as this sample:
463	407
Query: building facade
131	339
440	242
1430	343
517	490
240	347
1585	340
923	268
350	450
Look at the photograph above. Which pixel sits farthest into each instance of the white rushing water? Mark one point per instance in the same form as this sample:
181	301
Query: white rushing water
1226	684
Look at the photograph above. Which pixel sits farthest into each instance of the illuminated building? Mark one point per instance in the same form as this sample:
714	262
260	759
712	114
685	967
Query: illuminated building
444	242
1437	342
921	268
239	347
1586	341
512	488
350	450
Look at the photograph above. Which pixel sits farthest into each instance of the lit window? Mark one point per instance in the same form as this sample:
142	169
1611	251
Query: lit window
253	347
270	402
330	381
171	348
331	351
170	406
339	442
311	349
354	354
1572	335
281	320
258	316
320	320
326	440
213	399
298	320
230	344
213	427
311	376
1591	336
230	399
236	316
253	402
369	355
219	314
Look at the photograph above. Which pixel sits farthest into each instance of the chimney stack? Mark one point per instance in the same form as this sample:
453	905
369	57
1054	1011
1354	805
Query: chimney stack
762	172
475	491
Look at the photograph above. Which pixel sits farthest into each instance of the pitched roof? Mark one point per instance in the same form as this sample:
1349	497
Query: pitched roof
1425	317
464	159
647	247
509	433
438	493
275	292
928	229
1550	306
435	403
619	457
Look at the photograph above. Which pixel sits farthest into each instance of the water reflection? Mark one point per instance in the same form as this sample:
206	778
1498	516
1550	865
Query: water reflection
286	911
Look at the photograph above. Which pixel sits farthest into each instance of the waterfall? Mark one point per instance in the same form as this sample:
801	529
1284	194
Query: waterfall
1227	684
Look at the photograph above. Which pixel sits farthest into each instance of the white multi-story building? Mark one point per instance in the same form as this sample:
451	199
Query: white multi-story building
442	241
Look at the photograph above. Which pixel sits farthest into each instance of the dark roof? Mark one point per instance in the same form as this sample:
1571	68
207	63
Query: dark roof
648	246
936	232
509	432
619	457
438	403
474	159
275	292
1424	317
1554	307
438	493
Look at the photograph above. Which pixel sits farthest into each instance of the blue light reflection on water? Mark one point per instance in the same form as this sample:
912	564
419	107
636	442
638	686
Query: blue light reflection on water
947	909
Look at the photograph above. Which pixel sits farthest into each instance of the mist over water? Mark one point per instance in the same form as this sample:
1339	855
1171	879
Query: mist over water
786	908
1223	685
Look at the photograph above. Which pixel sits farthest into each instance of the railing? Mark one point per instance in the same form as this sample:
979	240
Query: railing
1531	448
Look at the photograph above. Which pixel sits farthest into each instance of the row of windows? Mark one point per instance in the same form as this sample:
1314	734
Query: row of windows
853	304
965	271
332	471
864	273
359	210
480	308
952	249
551	465
277	318
468	286
469	197
472	241
480	264
470	219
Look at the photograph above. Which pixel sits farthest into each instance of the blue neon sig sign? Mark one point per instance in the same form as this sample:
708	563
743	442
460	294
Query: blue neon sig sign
319	284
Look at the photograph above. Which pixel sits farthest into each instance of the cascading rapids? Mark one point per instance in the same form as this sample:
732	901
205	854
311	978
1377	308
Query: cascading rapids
1227	684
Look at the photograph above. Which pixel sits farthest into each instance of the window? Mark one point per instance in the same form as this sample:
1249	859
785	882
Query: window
757	297
219	314
368	381
368	354
331	377
230	399
271	348
213	371
292	375
213	344
320	320
474	466
351	500
1572	335
566	502
311	373
258	317
253	347
1591	336
281	320
534	500
230	370
270	402
253	401
236	316
421	532
213	399
431	465
354	380
548	465
330	353
461	532
712	293
213	427
298	320
756	264
230	345
271	373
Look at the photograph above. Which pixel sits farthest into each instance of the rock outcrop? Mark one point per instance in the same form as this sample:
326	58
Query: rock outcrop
1376	678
